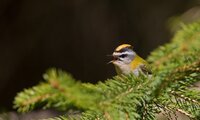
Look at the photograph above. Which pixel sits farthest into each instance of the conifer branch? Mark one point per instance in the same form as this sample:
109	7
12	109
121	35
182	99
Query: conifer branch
176	67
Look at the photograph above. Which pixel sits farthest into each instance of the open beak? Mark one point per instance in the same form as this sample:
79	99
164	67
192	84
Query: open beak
114	59
110	62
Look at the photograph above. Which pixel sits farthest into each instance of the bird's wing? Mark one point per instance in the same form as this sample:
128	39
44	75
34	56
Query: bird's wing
146	69
142	64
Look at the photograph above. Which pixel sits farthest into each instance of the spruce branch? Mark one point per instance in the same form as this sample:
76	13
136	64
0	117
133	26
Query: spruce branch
176	67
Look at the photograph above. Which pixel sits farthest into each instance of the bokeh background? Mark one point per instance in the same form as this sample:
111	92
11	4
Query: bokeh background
76	36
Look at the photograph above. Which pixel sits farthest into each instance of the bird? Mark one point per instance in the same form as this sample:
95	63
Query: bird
126	61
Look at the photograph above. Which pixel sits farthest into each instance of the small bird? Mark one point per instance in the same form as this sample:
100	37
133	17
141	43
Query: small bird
127	61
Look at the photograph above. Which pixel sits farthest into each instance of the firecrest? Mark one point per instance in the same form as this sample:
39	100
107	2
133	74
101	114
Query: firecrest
127	61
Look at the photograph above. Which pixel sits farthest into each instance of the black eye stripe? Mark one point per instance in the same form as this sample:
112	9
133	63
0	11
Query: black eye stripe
123	55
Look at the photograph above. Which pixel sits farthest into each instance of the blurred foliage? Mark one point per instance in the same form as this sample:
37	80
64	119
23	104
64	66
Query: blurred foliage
192	15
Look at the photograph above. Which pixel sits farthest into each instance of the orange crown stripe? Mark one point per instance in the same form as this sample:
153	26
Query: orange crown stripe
122	46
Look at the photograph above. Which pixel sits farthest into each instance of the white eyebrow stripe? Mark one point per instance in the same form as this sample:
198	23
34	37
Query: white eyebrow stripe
118	53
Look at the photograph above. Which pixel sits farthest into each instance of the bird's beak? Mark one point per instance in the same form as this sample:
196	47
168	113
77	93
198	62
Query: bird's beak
114	59
110	62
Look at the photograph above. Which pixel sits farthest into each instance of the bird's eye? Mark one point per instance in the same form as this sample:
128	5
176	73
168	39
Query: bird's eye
123	55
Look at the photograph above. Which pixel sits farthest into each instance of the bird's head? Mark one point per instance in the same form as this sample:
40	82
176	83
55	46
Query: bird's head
123	55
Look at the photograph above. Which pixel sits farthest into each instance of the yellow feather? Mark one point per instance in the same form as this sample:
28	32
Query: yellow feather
137	61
